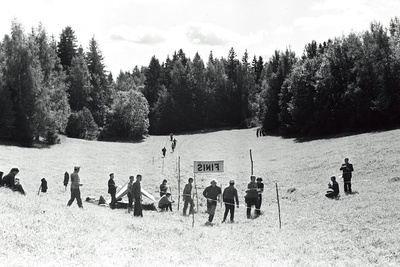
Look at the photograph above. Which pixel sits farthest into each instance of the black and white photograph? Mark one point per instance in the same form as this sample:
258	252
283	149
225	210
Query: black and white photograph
199	133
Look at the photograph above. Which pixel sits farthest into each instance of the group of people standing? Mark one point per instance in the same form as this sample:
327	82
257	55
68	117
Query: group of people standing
230	198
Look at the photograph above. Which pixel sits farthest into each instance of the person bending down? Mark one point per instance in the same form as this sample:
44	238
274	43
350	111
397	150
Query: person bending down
334	192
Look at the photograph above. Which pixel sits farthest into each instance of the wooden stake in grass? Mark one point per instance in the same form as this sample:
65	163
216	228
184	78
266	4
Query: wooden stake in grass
279	207
251	159
179	180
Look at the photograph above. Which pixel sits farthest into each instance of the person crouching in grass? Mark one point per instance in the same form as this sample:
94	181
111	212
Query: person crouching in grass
334	192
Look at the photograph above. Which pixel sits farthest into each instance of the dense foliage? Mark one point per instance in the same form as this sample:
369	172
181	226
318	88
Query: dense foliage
346	84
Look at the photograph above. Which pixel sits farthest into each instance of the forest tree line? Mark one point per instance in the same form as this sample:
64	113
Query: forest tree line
50	86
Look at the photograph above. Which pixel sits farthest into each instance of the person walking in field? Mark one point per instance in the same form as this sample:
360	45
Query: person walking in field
112	190
130	197
251	195
165	202
212	193
75	184
260	186
187	197
163	187
137	196
334	192
164	150
347	169
229	197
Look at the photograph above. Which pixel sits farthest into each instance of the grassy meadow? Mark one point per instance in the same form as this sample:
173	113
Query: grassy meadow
361	229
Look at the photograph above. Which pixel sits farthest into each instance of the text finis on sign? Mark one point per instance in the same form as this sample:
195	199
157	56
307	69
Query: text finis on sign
209	166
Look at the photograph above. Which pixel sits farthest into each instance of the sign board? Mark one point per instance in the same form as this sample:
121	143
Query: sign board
208	166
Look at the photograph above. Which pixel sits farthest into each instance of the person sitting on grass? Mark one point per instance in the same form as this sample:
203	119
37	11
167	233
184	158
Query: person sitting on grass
334	192
165	202
9	179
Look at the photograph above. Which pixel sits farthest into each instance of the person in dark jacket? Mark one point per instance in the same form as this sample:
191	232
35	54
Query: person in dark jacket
229	197
163	188
251	195
260	186
130	197
187	197
43	185
163	151
212	193
347	169
9	179
112	190
137	196
334	192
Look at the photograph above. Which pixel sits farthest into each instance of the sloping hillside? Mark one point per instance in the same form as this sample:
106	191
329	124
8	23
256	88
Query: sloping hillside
359	229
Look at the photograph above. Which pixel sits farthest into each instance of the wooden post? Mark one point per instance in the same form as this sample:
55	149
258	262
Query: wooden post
279	207
251	159
179	180
195	186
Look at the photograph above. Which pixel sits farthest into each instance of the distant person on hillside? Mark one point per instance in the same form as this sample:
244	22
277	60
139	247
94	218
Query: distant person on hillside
66	179
334	192
187	197
171	136
347	169
43	185
251	195
130	197
163	188
75	184
18	187
260	186
173	146
229	197
9	179
174	141
212	193
137	196
163	151
165	202
112	190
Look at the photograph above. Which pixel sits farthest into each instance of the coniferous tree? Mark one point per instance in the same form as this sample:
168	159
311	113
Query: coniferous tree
67	47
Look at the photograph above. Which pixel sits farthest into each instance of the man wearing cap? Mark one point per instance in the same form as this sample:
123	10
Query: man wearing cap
75	184
112	190
187	197
9	179
212	194
229	197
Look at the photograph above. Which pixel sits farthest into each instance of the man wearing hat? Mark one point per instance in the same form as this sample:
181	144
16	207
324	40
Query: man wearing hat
212	194
9	179
229	196
75	184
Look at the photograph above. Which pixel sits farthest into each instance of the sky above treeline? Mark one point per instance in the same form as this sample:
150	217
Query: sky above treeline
130	32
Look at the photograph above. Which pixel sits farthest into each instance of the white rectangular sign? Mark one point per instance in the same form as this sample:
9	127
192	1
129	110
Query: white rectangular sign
209	166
